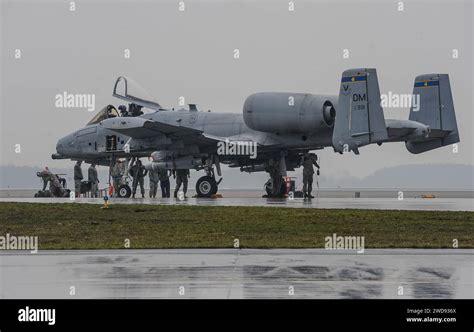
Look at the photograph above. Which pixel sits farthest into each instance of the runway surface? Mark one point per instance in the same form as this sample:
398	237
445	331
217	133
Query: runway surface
440	204
235	273
322	193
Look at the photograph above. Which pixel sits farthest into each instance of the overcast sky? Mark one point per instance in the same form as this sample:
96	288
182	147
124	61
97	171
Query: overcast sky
190	54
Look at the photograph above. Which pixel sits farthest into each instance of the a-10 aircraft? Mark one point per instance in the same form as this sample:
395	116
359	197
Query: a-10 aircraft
282	127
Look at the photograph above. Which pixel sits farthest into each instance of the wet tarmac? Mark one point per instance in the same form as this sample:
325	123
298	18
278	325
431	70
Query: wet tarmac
235	273
441	204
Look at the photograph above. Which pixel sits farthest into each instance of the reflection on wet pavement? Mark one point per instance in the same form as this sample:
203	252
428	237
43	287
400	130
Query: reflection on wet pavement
440	204
249	273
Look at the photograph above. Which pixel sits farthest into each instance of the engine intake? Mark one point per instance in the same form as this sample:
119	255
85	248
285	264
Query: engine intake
297	113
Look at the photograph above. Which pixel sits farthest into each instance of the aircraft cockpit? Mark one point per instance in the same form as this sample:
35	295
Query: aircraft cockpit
139	102
111	112
107	112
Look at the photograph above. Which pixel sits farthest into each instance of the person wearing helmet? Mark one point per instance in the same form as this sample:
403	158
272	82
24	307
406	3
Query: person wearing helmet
123	110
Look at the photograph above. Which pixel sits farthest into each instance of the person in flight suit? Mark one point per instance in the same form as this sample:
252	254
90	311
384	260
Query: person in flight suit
78	178
45	175
117	172
275	173
164	183
181	178
154	176
94	180
309	159
138	172
123	110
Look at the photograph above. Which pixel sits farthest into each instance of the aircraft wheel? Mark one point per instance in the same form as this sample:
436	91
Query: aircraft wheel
124	191
269	188
206	186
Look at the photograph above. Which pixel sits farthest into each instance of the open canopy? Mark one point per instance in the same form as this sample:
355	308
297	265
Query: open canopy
130	91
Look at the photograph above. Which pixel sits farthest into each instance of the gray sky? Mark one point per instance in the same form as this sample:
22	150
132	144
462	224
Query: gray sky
190	54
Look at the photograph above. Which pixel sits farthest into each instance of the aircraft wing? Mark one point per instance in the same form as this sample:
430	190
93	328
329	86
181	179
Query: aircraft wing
138	127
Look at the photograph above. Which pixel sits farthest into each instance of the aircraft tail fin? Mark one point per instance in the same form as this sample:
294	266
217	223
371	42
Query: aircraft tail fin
359	118
435	110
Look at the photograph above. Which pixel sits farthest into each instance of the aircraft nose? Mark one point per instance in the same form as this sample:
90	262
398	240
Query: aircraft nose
60	145
64	144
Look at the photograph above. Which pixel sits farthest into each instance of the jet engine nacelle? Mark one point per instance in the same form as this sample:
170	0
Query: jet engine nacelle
297	113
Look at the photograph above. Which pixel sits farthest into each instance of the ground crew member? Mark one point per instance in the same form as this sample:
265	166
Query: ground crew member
154	179
94	180
274	171
164	183
78	178
56	188
181	177
309	159
61	180
117	173
45	176
138	172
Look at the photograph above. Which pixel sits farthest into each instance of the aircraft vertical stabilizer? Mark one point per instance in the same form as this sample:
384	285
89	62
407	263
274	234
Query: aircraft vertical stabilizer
436	110
359	117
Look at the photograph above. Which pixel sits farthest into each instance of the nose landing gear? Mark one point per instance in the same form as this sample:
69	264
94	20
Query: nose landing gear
206	186
124	191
